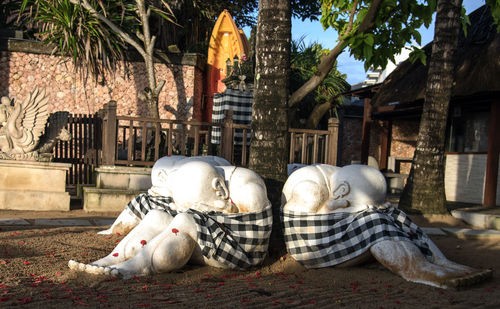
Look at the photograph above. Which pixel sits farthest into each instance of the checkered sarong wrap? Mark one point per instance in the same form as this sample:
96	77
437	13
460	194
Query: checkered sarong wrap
321	240
240	102
236	240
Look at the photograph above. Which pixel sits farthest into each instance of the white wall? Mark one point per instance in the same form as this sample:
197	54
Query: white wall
464	178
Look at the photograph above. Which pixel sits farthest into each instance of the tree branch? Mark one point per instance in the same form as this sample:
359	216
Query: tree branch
326	64
369	20
351	18
115	28
324	67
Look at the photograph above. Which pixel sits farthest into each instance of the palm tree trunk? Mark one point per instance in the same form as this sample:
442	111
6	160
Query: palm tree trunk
424	191
269	148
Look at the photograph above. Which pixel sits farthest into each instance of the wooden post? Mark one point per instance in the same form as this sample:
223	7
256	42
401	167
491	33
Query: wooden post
385	144
491	179
227	140
333	129
365	134
109	134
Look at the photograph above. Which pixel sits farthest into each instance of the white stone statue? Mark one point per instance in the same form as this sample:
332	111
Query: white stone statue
23	125
213	215
336	216
162	168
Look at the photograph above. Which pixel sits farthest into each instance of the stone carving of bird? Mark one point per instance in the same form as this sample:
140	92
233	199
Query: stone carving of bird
24	125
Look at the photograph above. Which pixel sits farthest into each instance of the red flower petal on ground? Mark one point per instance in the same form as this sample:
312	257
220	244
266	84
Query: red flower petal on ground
26	263
143	242
175	231
115	254
24	300
21	242
82	304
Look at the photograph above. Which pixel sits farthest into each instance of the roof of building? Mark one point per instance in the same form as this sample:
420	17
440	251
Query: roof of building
477	66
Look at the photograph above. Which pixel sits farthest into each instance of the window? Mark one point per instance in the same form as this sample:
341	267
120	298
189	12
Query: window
469	130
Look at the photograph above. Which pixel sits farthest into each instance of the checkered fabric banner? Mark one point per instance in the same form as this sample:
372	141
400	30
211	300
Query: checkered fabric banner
240	102
237	240
321	240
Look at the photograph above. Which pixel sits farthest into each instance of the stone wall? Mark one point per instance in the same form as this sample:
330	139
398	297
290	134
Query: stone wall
404	140
26	64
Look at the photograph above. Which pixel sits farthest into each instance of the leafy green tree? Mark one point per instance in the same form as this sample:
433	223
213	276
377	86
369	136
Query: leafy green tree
95	35
373	31
326	97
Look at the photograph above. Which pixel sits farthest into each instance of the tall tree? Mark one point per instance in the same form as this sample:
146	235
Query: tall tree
269	148
424	191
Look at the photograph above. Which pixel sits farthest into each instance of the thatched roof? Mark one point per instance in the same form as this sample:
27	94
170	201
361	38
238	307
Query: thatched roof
477	66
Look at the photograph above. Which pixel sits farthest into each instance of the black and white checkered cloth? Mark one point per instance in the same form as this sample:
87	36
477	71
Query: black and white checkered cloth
240	102
321	240
236	240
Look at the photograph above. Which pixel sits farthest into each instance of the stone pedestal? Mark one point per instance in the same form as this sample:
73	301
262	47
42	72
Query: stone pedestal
116	186
29	185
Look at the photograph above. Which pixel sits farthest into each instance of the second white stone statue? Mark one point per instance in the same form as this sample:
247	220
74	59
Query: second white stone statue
338	217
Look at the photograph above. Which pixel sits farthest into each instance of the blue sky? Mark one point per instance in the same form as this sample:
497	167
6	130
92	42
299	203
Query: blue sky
312	31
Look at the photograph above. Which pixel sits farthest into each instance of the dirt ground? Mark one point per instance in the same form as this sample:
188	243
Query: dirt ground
34	274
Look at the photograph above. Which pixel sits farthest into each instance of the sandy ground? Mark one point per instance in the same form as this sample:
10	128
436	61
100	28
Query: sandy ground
34	274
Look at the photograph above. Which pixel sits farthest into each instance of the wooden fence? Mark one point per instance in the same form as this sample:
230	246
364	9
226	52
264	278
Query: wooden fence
136	141
106	138
82	151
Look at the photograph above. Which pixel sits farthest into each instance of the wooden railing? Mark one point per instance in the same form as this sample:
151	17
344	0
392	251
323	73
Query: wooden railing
136	141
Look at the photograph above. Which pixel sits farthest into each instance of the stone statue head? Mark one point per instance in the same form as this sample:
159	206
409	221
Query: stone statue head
359	185
199	184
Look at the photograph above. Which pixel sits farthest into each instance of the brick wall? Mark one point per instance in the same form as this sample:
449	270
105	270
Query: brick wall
25	64
404	140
